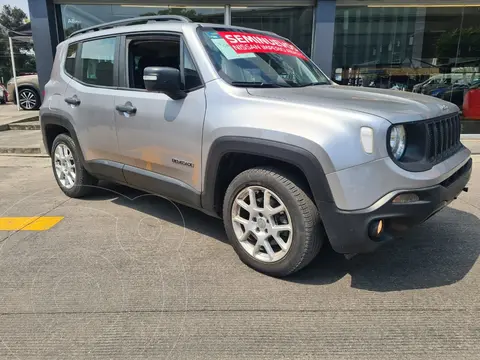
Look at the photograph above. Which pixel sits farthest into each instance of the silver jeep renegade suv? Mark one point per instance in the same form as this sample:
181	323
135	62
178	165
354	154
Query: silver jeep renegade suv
240	124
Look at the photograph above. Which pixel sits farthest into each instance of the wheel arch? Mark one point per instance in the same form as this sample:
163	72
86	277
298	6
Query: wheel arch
27	86
54	124
275	151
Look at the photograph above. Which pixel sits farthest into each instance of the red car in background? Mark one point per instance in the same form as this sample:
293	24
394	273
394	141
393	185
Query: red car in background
471	103
3	94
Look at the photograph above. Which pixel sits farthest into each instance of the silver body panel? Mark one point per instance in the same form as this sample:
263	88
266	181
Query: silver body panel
94	120
361	186
162	129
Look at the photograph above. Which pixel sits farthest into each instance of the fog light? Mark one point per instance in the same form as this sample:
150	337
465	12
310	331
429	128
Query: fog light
375	228
406	198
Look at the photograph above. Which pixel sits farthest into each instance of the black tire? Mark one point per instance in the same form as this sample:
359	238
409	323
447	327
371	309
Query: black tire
308	232
32	94
84	182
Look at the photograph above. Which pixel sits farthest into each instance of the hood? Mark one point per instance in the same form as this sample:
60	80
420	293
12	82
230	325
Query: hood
393	105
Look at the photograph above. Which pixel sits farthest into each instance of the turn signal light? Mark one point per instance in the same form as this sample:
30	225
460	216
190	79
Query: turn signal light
375	228
406	198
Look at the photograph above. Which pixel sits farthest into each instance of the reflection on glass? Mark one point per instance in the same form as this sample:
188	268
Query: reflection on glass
294	23
76	17
429	50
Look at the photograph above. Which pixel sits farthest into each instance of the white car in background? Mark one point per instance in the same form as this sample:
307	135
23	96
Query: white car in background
28	91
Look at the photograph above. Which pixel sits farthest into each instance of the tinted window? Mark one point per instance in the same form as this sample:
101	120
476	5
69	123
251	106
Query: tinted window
97	62
79	16
70	60
143	53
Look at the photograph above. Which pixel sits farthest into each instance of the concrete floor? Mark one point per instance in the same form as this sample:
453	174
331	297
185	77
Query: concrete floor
21	141
10	114
131	276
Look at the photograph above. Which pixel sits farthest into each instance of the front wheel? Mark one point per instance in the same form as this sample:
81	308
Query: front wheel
271	222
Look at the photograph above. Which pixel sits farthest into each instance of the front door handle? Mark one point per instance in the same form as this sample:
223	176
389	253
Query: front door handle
74	100
128	108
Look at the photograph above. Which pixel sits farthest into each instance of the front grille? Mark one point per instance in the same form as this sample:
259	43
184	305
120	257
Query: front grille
443	138
430	142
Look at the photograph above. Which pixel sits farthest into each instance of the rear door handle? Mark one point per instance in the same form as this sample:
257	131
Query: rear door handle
128	108
74	100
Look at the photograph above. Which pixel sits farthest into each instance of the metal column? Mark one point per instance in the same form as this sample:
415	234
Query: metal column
323	35
228	15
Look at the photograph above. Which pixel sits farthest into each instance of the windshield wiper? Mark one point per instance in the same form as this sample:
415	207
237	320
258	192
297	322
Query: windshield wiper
314	84
257	84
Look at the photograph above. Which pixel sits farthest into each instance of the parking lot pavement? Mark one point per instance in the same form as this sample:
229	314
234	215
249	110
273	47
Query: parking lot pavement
125	275
10	114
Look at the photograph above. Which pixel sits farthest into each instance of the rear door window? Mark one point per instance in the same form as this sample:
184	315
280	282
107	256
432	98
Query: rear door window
97	59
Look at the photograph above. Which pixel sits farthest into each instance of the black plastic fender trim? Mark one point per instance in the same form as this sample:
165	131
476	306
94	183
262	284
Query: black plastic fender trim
291	154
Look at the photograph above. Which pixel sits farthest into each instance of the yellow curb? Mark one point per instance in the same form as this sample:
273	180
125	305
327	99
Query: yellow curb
36	223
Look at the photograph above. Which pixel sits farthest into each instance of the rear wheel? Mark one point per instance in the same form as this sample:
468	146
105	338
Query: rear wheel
69	172
29	99
271	222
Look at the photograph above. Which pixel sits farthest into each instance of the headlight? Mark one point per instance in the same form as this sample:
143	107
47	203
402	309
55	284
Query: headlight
398	141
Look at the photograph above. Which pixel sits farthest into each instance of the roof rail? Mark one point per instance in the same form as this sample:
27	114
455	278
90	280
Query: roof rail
132	21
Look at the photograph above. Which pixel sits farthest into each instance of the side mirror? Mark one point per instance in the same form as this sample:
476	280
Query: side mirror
165	80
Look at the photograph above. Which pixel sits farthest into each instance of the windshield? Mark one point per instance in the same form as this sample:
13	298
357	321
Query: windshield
251	59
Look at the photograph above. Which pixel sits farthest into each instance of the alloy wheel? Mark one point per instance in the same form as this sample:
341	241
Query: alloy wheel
65	166
262	224
28	99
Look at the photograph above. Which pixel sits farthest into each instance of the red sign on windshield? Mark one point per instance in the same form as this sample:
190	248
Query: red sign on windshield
254	43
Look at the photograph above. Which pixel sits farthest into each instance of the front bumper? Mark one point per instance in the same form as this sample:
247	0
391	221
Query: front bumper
348	230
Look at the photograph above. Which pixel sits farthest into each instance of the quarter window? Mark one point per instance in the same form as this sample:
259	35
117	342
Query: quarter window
192	77
97	62
70	60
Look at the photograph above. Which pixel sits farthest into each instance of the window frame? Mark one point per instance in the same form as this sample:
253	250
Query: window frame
78	72
124	71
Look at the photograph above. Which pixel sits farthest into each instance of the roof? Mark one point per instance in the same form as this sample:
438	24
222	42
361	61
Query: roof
164	26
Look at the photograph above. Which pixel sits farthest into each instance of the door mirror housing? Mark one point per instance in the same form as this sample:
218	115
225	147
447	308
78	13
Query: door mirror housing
165	80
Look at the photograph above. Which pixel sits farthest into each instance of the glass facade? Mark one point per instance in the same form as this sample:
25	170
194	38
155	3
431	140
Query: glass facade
430	49
294	23
76	17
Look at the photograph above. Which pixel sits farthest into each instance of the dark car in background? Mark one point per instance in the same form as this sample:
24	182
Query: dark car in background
438	81
456	93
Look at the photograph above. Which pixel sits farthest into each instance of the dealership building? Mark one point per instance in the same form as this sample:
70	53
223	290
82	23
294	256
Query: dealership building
429	46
